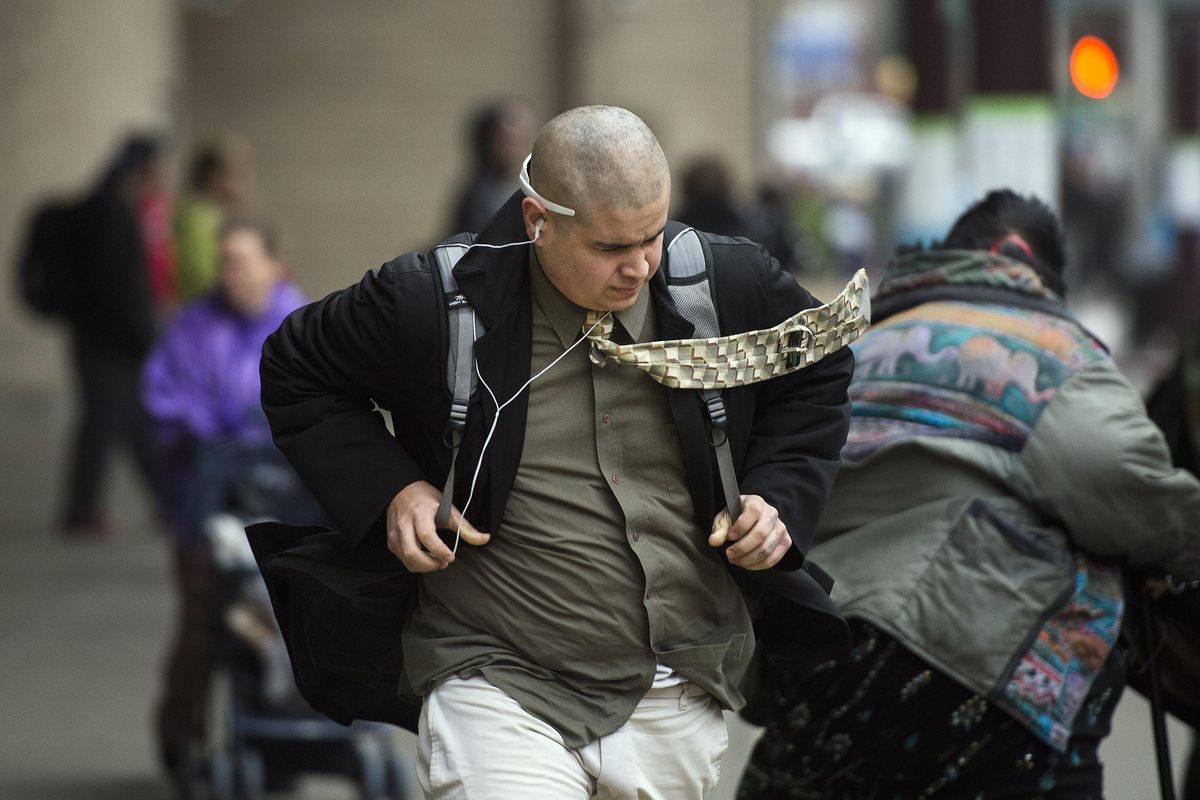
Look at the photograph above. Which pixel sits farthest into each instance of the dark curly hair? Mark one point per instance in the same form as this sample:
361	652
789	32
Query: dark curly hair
990	224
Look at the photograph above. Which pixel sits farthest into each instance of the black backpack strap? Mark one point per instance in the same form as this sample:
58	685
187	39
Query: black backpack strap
690	282
463	328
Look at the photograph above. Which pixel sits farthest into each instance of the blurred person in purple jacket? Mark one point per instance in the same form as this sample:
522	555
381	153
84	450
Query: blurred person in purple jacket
200	385
201	380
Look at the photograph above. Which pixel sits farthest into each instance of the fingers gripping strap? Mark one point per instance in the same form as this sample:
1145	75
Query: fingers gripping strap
442	518
729	485
720	443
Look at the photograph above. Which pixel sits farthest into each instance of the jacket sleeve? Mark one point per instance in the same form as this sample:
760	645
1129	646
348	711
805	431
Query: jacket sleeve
322	372
800	420
1096	462
177	392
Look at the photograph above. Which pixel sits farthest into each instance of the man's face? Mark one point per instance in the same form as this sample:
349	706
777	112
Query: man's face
248	271
602	265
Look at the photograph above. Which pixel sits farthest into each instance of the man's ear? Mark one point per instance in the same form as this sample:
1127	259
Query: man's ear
535	217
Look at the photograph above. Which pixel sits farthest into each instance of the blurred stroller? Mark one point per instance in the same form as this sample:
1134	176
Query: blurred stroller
228	721
259	734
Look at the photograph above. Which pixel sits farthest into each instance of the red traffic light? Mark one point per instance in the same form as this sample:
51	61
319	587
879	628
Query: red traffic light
1094	68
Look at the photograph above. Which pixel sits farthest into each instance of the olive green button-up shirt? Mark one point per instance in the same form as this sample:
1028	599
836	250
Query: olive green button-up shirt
599	570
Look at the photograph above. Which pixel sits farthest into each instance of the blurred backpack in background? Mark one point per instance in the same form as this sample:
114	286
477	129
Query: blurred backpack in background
46	268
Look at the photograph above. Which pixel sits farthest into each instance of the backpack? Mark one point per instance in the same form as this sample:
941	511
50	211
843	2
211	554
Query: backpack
689	281
46	268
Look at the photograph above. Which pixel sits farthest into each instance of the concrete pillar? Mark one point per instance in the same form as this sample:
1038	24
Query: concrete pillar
688	67
77	77
1148	79
1184	166
931	195
1011	131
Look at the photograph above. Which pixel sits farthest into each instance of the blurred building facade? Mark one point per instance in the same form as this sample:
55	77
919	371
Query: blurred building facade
356	112
77	78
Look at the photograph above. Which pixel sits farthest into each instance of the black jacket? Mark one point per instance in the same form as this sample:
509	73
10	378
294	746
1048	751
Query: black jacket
342	599
111	304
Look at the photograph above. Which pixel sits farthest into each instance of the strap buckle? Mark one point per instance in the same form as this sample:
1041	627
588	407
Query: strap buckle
716	411
458	416
792	343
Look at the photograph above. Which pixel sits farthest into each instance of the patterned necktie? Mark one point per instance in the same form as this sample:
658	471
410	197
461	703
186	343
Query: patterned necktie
740	358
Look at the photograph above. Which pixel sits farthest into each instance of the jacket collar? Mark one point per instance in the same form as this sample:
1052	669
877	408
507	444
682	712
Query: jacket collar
490	278
966	275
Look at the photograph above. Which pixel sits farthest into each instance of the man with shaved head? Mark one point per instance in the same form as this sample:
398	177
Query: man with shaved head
599	156
576	630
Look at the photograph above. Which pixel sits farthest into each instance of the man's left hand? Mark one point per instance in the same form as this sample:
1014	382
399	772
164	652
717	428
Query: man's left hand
760	539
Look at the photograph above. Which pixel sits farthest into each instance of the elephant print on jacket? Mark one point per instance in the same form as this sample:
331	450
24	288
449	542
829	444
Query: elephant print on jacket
880	355
983	359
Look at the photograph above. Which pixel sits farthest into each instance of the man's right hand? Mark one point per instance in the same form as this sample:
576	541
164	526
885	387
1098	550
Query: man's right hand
412	534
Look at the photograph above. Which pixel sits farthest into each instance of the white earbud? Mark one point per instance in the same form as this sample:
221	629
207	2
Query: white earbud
537	231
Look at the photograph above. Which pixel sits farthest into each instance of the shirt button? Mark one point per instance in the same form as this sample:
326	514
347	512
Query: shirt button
647	594
637	535
616	478
606	418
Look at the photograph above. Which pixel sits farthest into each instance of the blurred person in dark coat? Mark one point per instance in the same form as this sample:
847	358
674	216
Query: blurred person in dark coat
710	204
112	322
501	134
1174	405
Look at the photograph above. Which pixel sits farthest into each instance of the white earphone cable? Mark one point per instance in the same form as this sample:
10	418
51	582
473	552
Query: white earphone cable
496	419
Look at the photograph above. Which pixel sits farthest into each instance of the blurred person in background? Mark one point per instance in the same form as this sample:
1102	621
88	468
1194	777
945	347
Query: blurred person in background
775	227
501	134
219	180
121	269
998	474
201	387
710	203
1174	405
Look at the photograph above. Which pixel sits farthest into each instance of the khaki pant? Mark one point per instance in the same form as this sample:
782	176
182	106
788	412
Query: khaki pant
476	742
